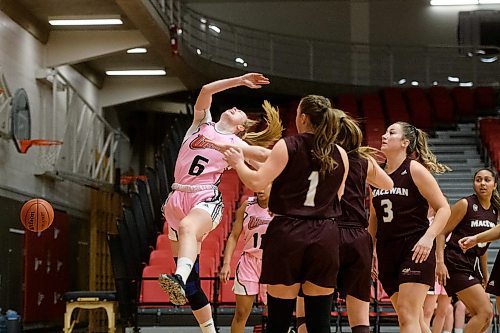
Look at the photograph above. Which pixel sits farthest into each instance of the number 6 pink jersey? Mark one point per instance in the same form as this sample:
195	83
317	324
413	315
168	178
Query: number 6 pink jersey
255	225
199	162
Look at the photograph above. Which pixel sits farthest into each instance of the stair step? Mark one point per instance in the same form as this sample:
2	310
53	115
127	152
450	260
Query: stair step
454	142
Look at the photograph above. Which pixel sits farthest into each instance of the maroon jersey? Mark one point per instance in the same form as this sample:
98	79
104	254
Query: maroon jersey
353	201
476	220
300	190
401	211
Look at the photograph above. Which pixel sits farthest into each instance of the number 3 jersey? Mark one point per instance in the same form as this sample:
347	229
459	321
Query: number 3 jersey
255	223
401	211
199	162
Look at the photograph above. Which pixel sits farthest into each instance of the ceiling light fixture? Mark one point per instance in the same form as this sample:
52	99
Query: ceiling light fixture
136	72
137	50
453	2
84	21
214	28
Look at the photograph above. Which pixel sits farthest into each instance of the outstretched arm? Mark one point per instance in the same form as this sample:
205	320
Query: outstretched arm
377	177
486	236
204	100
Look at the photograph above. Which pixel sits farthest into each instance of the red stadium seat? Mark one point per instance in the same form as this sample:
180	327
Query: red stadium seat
150	288
348	104
484	98
420	108
163	259
372	107
442	105
464	101
395	105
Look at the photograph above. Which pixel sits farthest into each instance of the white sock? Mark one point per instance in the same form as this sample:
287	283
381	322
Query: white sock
208	326
458	330
184	267
446	332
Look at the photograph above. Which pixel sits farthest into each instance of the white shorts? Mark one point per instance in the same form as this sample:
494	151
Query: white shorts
179	204
246	279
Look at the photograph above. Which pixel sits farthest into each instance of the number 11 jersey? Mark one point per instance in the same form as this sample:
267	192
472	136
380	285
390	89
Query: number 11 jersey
255	223
401	211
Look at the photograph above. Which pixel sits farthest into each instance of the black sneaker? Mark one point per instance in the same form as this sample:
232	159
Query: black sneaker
174	287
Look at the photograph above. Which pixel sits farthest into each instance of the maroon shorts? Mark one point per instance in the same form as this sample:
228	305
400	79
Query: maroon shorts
494	282
395	266
296	251
461	269
356	252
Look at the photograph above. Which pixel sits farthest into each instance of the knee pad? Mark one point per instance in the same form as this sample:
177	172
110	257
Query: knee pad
301	321
195	295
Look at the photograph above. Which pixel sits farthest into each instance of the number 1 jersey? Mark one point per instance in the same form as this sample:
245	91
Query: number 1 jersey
199	162
401	211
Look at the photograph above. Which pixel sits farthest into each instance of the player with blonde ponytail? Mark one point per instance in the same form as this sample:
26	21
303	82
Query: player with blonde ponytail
195	206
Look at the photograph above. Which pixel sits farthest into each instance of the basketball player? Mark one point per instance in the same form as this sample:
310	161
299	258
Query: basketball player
398	222
195	207
470	215
356	249
252	218
300	248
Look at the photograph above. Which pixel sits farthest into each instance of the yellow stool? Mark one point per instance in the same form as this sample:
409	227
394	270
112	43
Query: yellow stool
89	300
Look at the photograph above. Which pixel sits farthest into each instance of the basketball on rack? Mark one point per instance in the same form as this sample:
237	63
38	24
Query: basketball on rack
37	215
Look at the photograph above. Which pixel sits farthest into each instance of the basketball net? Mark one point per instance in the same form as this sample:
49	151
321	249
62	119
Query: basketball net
47	157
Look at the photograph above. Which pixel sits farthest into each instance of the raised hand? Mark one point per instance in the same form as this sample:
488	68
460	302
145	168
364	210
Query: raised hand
254	80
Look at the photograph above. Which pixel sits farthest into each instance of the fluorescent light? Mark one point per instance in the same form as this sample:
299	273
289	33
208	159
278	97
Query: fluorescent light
109	21
137	50
453	79
198	51
414	83
453	2
214	28
239	60
402	81
488	60
434	83
245	64
465	84
203	20
137	72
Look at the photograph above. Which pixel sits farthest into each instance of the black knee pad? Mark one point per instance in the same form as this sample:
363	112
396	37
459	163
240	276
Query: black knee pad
197	300
361	329
301	321
318	310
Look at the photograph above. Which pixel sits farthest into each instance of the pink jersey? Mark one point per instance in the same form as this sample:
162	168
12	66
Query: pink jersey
199	162
254	226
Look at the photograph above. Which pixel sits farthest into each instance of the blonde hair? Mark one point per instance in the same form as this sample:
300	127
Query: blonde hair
350	136
324	120
270	134
495	197
418	145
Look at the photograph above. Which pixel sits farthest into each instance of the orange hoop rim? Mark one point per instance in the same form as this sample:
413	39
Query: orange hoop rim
24	145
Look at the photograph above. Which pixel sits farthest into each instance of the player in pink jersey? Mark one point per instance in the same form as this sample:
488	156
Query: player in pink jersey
252	218
194	207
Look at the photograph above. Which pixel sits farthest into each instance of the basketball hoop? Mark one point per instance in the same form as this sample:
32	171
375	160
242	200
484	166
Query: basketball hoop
24	145
47	157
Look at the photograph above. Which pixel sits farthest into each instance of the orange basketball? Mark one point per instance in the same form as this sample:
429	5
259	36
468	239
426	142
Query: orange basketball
37	215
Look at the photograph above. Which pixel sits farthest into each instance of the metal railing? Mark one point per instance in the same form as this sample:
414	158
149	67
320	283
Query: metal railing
332	62
87	154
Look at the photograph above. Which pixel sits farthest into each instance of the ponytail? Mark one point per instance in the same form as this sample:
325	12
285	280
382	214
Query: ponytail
350	136
324	120
418	145
270	134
